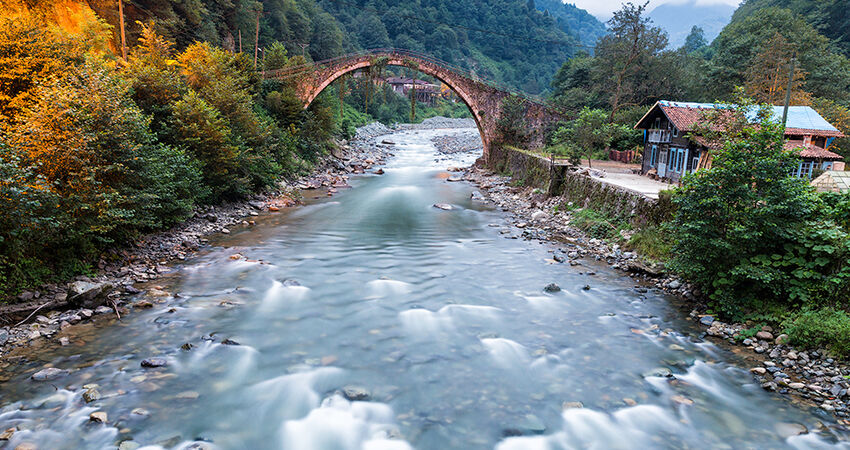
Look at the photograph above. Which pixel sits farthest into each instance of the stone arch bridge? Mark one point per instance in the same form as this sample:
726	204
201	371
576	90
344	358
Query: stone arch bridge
484	98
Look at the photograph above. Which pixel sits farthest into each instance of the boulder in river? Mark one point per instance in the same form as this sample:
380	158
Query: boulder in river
49	374
154	362
443	206
98	417
552	287
88	294
356	393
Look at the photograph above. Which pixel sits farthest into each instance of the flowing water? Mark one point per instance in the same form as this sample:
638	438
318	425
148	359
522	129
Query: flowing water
434	314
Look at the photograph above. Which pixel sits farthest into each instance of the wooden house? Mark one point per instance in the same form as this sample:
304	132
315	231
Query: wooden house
671	148
425	92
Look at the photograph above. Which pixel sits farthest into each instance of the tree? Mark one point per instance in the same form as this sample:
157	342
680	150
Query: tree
767	76
695	40
589	133
511	122
736	48
631	43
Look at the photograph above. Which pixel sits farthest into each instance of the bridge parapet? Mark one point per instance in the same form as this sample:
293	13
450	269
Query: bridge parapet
484	98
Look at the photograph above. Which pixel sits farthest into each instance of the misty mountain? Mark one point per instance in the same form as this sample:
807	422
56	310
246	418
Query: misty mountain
677	19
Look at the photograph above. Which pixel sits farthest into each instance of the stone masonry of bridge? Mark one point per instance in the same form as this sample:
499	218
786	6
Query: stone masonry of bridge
483	99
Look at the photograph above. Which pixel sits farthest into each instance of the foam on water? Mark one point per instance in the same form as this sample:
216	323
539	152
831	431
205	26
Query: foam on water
380	288
293	396
627	428
279	295
340	424
506	352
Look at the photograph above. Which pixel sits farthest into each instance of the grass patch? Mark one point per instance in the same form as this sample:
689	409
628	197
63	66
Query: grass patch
653	241
820	328
598	225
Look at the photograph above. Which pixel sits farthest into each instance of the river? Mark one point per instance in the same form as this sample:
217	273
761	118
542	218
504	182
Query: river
434	322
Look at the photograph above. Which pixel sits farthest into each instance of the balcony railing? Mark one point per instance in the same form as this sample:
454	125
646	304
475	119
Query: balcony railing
659	136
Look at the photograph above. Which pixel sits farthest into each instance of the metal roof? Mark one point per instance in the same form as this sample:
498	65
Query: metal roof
802	117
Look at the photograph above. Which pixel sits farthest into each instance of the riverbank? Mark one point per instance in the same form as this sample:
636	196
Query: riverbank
42	313
813	377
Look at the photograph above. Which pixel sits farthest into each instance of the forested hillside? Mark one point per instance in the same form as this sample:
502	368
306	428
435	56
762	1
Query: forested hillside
506	40
509	41
830	17
573	20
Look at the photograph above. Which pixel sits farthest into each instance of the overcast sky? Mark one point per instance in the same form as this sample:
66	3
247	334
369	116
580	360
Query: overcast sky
604	9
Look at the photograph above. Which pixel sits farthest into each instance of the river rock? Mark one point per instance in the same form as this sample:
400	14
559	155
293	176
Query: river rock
154	362
88	294
571	405
764	336
552	287
128	445
91	395
786	429
658	372
706	320
4	336
49	374
98	417
356	393
781	339
443	206
6	435
675	284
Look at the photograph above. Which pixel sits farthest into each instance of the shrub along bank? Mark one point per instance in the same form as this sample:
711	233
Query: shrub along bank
759	244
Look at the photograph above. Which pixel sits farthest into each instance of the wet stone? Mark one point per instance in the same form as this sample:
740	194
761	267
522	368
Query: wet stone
229	342
658	372
552	287
356	393
128	445
98	417
706	320
49	374
154	362
91	395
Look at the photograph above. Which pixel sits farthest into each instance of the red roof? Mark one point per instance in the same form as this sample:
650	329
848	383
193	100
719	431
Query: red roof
810	151
808	132
685	116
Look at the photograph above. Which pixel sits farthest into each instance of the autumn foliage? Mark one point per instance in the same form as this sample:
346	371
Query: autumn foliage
95	150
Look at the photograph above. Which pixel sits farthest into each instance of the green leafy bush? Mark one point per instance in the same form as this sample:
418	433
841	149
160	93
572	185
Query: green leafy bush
820	328
752	236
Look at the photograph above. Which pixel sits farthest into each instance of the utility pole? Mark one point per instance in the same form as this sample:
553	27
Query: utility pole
788	92
257	40
303	46
121	25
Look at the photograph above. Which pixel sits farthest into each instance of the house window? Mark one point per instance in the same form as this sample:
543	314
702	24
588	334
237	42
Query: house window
675	132
653	158
657	123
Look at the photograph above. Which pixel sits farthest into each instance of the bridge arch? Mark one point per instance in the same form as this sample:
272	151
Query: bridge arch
484	99
411	63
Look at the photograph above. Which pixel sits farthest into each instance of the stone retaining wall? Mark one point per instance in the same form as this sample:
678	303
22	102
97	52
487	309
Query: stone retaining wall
558	180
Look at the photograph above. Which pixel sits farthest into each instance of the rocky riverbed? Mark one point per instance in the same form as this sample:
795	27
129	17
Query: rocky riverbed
42	313
813	377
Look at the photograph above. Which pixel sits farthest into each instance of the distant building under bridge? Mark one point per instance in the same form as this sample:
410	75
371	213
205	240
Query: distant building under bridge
425	92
